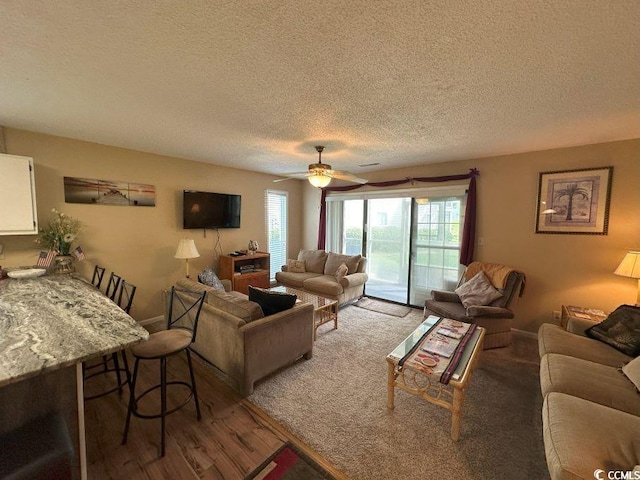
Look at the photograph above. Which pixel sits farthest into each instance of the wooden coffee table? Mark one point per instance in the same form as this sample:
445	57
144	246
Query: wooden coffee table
415	381
325	310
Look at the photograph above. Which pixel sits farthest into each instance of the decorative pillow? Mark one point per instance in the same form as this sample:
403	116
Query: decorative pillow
621	330
341	272
208	277
295	266
334	260
477	291
632	371
271	302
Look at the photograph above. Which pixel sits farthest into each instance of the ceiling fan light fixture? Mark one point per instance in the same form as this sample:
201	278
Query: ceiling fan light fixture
319	180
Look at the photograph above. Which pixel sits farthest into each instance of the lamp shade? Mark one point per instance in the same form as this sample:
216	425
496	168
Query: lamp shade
186	249
319	180
630	265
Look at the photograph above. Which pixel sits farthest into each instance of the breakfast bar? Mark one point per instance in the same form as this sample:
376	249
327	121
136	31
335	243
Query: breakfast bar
48	327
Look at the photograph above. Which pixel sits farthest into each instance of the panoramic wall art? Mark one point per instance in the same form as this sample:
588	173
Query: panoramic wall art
574	201
108	192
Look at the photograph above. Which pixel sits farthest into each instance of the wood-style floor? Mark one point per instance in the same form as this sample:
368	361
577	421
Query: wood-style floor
230	441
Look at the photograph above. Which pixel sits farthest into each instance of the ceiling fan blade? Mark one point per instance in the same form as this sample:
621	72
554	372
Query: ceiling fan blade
342	175
292	176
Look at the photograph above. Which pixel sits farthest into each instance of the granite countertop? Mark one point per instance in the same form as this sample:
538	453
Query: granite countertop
56	321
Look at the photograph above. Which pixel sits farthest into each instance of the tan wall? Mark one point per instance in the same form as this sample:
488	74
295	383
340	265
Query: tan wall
139	242
560	269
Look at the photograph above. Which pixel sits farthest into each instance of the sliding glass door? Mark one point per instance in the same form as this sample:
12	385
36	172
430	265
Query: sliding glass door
411	241
387	248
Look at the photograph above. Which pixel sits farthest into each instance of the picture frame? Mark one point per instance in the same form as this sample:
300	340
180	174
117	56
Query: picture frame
574	201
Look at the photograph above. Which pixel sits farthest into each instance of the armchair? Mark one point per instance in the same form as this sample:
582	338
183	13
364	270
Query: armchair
496	317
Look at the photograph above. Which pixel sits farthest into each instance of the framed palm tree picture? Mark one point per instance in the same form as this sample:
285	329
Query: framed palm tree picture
574	201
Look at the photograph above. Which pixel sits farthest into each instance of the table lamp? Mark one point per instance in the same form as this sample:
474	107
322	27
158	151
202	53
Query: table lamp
187	249
630	267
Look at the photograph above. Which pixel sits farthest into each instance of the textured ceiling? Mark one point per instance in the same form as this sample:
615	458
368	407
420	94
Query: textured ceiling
255	84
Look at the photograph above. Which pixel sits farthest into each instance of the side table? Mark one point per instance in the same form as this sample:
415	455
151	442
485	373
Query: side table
580	315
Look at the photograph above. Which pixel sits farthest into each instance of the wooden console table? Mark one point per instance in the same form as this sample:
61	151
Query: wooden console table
245	270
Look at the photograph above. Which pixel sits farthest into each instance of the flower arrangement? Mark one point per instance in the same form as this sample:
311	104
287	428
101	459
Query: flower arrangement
59	233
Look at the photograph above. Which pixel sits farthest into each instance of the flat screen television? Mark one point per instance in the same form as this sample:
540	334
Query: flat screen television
210	210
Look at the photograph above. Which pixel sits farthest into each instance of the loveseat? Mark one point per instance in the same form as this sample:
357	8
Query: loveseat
316	271
591	409
245	345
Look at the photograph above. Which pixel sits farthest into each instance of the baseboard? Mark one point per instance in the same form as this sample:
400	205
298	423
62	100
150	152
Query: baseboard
524	333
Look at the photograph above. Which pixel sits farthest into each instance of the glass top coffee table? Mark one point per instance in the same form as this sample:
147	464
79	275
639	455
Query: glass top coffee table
417	370
325	310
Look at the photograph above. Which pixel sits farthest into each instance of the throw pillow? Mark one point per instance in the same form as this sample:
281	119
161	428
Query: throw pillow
632	371
477	291
621	330
341	272
271	302
295	266
208	277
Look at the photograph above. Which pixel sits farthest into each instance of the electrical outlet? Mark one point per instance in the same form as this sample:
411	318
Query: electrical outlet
556	315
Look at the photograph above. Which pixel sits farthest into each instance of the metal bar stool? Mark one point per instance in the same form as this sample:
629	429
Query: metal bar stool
98	274
112	286
124	299
183	312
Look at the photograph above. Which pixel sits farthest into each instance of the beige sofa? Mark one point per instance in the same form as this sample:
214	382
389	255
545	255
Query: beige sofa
235	336
591	410
319	276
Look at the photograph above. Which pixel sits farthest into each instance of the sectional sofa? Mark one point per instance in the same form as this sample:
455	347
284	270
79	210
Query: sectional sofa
591	409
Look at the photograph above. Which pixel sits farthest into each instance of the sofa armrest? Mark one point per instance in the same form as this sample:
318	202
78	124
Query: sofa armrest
579	325
354	280
226	284
444	296
489	312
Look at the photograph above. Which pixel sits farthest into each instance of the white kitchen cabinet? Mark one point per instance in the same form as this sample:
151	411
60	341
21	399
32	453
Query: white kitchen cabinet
18	215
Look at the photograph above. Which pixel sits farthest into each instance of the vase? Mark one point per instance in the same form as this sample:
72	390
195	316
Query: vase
64	264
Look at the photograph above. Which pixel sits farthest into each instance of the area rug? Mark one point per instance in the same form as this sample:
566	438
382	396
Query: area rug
379	306
336	404
288	463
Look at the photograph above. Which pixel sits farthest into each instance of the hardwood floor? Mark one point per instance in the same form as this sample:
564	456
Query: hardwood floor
227	443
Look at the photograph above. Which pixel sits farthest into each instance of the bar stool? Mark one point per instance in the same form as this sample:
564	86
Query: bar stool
98	274
183	312
124	299
112	286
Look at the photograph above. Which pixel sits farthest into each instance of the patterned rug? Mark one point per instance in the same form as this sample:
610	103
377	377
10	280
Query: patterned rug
288	463
383	307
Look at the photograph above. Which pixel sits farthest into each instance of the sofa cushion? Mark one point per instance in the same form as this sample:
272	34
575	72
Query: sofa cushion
210	279
477	291
334	260
592	381
554	339
323	285
295	266
272	302
341	272
314	260
632	372
234	303
295	280
581	437
621	330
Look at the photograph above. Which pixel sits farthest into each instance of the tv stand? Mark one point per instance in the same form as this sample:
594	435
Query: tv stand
245	270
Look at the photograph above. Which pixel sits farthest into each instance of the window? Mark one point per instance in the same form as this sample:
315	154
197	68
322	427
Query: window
276	203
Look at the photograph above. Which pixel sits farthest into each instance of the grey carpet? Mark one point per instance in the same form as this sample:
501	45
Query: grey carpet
383	307
336	403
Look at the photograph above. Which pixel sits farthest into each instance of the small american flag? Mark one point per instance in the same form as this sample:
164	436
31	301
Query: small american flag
45	258
78	253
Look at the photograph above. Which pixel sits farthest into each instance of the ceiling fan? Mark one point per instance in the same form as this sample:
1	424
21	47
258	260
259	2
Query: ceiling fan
320	174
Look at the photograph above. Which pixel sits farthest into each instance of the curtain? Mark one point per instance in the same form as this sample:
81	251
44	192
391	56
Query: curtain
469	229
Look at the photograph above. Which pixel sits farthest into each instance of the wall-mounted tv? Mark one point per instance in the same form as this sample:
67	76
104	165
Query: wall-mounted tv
210	210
